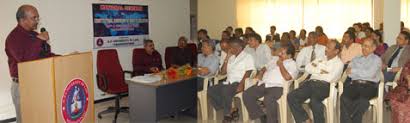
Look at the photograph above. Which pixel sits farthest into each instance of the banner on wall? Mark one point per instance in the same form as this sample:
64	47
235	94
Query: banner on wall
117	25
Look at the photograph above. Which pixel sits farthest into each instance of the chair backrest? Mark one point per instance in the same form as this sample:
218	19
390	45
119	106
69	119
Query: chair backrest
300	79
136	59
110	76
169	52
194	52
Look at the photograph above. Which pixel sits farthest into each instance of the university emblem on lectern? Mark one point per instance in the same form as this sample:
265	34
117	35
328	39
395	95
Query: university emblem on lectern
75	101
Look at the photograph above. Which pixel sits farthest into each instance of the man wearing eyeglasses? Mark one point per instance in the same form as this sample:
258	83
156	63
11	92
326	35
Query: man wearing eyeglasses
25	44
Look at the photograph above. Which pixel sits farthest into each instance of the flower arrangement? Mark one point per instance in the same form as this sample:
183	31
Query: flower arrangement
173	73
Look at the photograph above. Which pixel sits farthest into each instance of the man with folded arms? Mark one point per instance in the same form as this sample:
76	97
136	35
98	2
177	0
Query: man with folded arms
323	71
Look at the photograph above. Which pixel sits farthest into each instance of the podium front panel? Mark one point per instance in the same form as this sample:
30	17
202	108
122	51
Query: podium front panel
37	97
74	88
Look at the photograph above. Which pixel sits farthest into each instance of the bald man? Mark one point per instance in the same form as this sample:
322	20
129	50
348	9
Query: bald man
364	73
25	44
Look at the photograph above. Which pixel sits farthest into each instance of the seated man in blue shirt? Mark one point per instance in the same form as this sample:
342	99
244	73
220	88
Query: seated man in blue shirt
364	72
208	62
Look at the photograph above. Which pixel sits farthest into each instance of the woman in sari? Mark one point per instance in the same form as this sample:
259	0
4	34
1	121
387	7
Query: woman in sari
400	97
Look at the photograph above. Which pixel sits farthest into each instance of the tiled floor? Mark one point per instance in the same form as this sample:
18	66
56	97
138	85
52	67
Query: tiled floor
123	118
6	104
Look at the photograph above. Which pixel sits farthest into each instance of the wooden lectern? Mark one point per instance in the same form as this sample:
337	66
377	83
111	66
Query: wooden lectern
57	90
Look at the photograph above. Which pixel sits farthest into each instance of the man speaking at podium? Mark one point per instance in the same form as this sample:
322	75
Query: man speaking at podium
25	44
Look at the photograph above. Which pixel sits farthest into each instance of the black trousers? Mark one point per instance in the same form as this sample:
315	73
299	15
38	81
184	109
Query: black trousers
355	101
271	95
316	91
200	83
220	96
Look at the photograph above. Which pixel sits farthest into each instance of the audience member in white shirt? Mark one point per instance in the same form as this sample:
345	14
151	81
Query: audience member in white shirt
323	71
302	38
238	67
359	31
261	53
280	69
225	36
273	36
310	53
224	51
238	33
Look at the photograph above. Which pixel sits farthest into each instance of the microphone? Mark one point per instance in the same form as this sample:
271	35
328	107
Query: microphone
44	46
43	29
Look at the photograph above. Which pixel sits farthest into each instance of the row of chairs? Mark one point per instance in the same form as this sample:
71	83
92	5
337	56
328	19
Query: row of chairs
111	80
332	103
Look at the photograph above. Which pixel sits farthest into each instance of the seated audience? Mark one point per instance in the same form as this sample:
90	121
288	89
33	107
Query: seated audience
381	46
269	43
273	36
360	35
208	62
403	28
149	62
396	56
366	25
284	41
238	33
364	73
321	36
183	54
279	70
260	52
249	30
238	66
225	36
399	97
302	38
310	53
224	51
323	71
381	28
368	32
202	35
293	40
230	30
350	48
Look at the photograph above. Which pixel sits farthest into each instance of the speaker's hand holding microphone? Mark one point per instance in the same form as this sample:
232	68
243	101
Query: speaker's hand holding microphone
43	35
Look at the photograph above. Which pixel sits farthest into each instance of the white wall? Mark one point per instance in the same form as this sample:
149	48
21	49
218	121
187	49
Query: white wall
69	23
216	15
391	21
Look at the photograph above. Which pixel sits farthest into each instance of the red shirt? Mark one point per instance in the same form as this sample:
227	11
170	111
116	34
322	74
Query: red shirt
23	45
146	61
